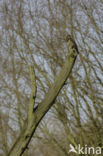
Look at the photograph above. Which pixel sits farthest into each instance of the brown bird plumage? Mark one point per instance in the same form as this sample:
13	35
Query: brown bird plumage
71	43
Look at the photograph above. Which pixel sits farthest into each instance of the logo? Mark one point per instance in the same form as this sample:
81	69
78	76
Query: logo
72	149
85	150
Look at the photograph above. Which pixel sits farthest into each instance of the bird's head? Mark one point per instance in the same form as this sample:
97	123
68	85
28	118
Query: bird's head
68	37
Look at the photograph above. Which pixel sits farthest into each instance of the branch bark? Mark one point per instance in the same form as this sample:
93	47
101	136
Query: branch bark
29	129
33	93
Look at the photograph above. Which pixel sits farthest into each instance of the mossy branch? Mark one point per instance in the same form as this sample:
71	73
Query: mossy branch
33	93
35	117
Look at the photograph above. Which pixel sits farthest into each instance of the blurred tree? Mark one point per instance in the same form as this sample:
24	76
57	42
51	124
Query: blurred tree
32	34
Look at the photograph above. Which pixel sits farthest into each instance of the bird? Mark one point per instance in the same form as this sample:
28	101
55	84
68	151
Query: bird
71	44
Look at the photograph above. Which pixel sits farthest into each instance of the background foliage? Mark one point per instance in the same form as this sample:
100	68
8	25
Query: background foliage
32	33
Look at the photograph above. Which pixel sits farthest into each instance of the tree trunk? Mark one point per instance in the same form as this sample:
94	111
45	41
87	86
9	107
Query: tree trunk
29	128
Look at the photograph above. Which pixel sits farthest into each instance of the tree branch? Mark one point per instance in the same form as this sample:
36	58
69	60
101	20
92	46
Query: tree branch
21	144
33	93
